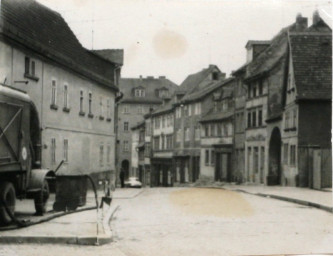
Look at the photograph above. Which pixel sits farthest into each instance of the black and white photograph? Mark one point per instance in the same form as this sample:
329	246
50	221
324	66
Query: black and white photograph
166	127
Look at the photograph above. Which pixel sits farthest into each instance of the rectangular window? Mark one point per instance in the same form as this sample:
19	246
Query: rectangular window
206	157
156	143
65	96
249	92
54	93
147	149
125	146
33	68
226	130
294	118
286	121
81	101
101	155
108	154
197	133
285	153
163	121
90	103
53	151
26	65
126	109
254	119
108	108
212	130
261	87
66	150
260	117
206	130
212	157
249	119
219	130
254	91
163	142
101	107
157	123
126	126
187	134
292	155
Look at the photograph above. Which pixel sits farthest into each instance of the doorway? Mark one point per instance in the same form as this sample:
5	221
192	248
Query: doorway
125	166
274	175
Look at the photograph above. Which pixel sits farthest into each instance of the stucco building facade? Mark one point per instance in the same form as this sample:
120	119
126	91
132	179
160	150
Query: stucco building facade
73	89
139	97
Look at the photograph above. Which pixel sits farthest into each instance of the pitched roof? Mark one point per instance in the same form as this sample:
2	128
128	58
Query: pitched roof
271	56
209	86
312	62
114	55
39	28
193	81
127	85
165	108
213	116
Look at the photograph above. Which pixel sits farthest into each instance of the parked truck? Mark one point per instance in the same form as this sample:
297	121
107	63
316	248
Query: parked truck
21	175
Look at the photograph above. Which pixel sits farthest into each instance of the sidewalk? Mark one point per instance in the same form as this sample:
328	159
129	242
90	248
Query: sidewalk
314	198
87	227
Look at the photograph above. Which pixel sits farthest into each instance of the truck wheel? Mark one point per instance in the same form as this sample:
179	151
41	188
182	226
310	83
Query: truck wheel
8	196
41	199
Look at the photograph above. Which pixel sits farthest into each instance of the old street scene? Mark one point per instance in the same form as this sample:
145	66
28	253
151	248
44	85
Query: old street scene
165	127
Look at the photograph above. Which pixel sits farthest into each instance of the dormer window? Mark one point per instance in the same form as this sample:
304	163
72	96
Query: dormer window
163	93
215	75
139	92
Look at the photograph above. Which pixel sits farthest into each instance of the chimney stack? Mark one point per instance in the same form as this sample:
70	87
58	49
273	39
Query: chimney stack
316	17
161	77
301	23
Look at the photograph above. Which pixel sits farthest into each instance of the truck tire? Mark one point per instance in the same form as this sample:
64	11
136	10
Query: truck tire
8	196
41	199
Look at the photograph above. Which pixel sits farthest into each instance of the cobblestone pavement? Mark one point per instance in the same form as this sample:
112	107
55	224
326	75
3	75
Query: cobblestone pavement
194	221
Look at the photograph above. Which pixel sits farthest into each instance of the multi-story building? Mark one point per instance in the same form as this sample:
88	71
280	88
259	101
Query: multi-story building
239	124
140	95
307	117
162	166
281	108
217	133
138	151
73	89
192	103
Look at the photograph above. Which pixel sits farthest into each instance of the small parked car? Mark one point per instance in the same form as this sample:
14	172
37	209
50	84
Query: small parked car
133	182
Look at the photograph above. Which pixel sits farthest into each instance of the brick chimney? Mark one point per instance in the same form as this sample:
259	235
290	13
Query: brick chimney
301	23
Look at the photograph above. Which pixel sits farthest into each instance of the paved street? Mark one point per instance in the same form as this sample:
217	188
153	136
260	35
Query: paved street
194	221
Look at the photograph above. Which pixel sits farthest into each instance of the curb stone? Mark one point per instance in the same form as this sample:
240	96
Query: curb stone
78	240
288	199
282	198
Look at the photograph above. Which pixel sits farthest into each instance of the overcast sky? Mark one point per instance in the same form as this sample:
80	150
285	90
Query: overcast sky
177	38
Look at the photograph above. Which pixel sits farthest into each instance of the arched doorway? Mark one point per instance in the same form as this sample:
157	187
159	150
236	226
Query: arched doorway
274	174
125	166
